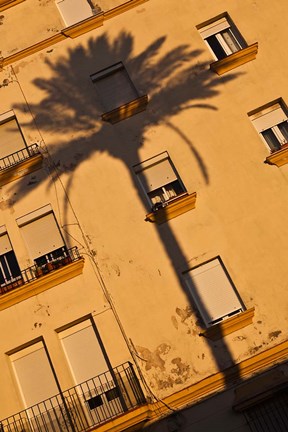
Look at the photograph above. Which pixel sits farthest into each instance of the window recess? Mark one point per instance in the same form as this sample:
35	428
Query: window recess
9	268
117	93
16	158
271	123
31	366
74	11
163	187
216	298
226	44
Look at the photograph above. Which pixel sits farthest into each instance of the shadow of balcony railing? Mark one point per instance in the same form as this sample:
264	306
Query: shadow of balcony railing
34	272
19	156
86	405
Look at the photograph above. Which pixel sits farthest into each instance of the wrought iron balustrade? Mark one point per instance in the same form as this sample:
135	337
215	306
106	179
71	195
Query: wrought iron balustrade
34	272
79	408
19	156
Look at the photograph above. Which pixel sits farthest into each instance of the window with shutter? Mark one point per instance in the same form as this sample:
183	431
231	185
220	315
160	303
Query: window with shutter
226	44
74	11
159	180
213	292
272	125
42	236
76	340
221	38
32	367
117	93
11	138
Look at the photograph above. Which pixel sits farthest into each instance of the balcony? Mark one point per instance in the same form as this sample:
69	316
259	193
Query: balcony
20	163
38	278
100	399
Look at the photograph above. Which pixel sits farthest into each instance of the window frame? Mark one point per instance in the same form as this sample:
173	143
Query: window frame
35	216
214	29
127	108
202	308
152	161
14	274
221	23
259	116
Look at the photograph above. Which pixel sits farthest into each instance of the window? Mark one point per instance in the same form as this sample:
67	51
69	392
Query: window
213	292
222	37
160	181
31	367
271	123
9	268
74	11
78	339
226	44
270	415
98	384
16	158
117	92
12	140
42	236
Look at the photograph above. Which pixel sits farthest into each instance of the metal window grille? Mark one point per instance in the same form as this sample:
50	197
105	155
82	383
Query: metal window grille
270	415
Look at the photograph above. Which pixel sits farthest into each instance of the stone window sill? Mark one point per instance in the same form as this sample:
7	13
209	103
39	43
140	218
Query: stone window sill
234	60
20	169
127	110
279	157
229	325
22	291
173	209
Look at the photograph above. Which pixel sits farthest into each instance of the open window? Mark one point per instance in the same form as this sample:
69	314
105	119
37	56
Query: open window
117	93
215	297
271	123
163	188
42	236
16	158
9	268
226	44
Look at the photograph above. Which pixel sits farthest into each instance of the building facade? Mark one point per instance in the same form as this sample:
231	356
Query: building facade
143	175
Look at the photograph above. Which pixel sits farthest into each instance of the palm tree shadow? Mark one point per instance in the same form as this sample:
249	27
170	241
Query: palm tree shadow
175	81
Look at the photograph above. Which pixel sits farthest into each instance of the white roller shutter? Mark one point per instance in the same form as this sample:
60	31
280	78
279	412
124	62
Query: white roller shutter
212	291
74	11
269	119
11	139
214	27
114	88
156	172
34	374
83	352
42	236
5	245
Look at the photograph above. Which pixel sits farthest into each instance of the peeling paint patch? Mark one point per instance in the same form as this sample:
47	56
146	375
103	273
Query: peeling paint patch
164	371
116	269
174	322
185	314
5	83
153	359
274	335
181	369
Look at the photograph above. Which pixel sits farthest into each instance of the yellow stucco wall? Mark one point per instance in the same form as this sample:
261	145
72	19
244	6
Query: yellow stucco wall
201	120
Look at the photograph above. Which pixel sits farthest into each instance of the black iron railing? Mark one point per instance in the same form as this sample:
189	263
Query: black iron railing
19	156
34	272
81	407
